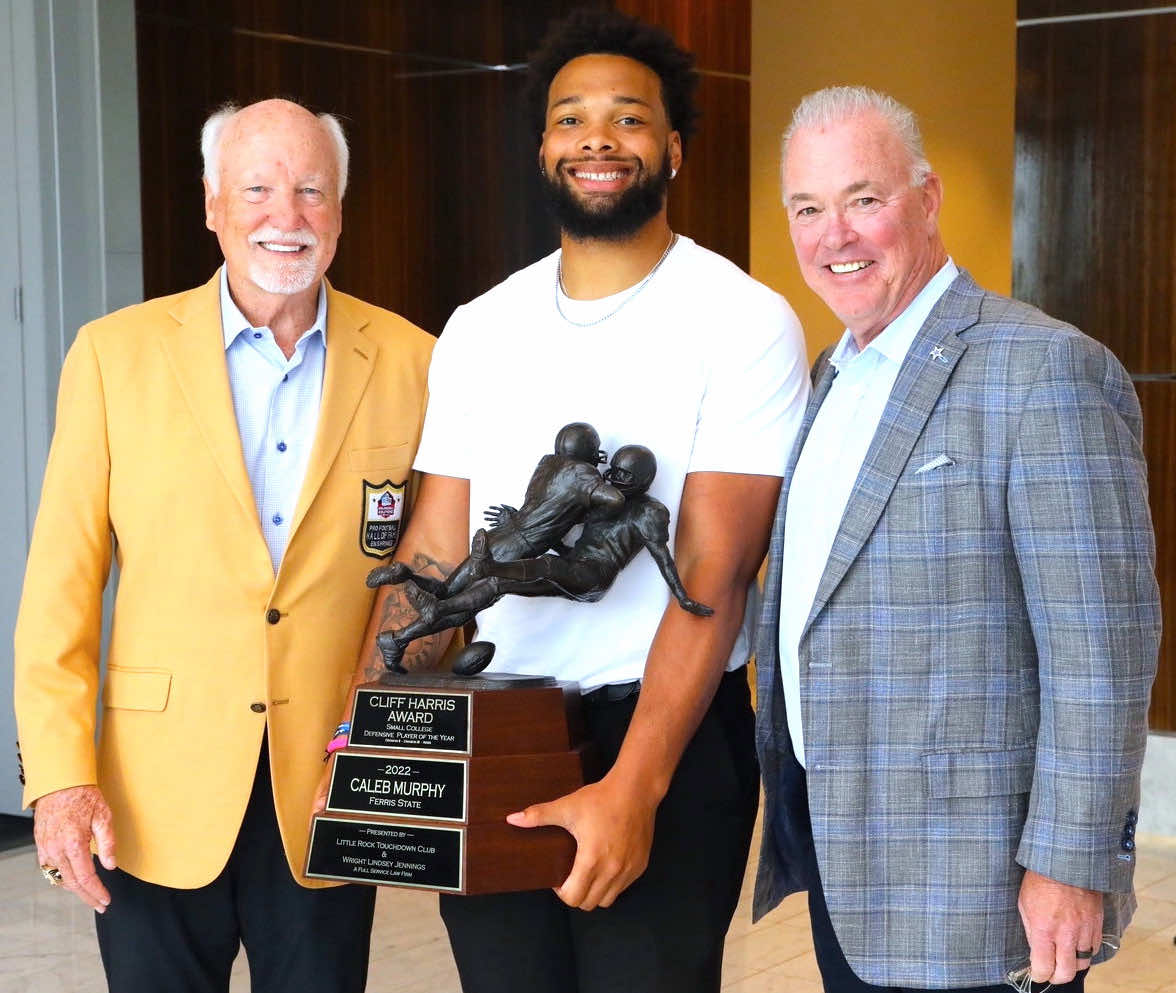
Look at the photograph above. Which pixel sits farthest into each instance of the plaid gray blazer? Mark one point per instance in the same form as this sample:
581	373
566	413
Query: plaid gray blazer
977	663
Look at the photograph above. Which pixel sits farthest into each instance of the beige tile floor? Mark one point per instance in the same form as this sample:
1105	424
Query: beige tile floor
47	940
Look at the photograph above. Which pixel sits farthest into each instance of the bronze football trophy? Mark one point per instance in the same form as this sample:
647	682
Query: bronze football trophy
434	762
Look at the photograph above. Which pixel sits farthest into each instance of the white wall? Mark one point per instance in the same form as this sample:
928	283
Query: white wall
1157	807
69	119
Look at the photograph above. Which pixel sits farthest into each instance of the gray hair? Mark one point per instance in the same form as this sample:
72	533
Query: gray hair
214	128
836	104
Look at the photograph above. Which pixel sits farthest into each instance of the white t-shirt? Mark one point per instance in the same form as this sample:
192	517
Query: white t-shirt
703	365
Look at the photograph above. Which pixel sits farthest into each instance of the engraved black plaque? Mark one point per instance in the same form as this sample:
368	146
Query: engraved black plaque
385	852
419	795
411	719
398	784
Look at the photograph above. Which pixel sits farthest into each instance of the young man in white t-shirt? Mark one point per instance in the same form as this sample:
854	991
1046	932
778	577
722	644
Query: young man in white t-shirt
654	341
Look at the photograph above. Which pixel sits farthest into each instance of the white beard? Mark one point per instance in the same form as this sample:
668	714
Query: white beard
284	277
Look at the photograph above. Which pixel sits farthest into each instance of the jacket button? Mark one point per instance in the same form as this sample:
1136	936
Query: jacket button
257	708
1128	845
273	615
1132	817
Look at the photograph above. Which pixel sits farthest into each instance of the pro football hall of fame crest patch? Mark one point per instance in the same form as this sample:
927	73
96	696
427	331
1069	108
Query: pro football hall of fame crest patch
383	508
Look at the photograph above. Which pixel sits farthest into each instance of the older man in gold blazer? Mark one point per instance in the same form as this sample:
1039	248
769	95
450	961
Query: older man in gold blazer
243	451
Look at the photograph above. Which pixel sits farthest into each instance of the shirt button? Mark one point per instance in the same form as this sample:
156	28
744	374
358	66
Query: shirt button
281	446
273	615
277	518
256	334
257	708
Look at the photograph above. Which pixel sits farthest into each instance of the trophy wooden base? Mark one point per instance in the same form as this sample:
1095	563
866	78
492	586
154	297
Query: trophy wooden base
420	796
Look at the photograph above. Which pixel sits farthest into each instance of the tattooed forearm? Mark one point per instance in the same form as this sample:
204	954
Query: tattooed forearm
427	566
396	612
424	653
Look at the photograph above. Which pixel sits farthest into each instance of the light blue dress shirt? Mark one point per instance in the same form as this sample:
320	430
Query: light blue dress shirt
276	401
828	467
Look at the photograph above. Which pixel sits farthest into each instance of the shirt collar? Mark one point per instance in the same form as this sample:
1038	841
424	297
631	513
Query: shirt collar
895	340
234	323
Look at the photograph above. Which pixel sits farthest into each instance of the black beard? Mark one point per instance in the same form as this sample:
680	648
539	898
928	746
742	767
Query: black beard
619	220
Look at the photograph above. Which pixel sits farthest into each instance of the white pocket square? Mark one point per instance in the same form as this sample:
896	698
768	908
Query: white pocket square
936	463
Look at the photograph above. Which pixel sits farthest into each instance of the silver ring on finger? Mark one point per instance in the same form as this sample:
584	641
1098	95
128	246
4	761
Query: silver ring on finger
52	874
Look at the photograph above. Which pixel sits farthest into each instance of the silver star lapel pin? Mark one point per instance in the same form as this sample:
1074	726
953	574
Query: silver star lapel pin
937	353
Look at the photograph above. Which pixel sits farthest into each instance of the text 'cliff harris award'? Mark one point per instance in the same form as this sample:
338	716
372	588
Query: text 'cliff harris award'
435	761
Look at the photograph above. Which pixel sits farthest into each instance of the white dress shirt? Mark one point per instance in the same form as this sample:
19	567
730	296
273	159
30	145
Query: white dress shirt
828	467
276	401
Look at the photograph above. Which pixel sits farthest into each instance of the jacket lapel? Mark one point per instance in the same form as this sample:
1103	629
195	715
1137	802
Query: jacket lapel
924	374
195	349
350	361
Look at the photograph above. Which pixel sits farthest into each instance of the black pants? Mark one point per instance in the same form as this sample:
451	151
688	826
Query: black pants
836	973
156	939
665	933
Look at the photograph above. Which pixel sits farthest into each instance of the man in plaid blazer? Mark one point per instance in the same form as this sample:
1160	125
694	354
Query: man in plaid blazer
961	618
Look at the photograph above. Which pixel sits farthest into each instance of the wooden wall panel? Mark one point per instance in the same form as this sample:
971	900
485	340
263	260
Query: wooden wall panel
486	31
1095	218
710	199
1158	400
1061	8
1095	225
443	200
718	32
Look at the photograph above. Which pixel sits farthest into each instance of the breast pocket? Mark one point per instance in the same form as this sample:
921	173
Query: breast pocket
934	497
387	458
930	471
384	473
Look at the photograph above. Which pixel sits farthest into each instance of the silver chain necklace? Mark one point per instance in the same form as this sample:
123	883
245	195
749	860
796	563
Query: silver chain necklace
636	290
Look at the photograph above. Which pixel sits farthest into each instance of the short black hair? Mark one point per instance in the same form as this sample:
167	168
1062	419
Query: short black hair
605	31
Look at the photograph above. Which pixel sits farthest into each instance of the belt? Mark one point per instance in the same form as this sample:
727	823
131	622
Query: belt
612	692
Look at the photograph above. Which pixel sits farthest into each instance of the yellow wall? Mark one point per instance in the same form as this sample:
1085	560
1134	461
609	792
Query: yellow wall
951	61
